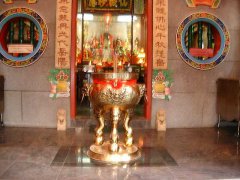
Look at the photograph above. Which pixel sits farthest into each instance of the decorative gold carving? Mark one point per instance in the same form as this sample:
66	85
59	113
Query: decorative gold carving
85	91
99	130
107	5
129	138
113	76
142	89
114	134
124	155
126	96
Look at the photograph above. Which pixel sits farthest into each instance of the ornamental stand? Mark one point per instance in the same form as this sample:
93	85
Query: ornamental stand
117	93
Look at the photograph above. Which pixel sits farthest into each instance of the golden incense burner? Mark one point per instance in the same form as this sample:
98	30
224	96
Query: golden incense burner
117	93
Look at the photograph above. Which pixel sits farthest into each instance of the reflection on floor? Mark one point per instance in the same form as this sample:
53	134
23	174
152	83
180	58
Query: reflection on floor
77	156
83	108
34	153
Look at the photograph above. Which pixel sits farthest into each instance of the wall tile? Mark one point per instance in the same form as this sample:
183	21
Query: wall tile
31	78
209	110
233	54
183	110
12	115
40	111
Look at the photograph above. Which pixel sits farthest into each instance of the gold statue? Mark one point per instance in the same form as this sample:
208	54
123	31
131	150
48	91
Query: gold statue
92	3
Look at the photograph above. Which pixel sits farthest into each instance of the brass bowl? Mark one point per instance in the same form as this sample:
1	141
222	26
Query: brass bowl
114	89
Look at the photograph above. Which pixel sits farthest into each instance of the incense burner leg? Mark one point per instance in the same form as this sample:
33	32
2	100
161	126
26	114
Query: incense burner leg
99	129
128	129
114	134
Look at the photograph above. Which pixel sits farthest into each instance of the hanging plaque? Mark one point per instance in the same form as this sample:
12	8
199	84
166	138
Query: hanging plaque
20	48
63	34
107	5
160	34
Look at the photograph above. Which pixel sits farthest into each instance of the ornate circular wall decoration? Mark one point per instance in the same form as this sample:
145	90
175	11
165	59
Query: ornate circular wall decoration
23	37
202	41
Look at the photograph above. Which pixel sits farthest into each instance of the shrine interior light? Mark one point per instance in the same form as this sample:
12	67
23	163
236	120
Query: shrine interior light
126	18
87	17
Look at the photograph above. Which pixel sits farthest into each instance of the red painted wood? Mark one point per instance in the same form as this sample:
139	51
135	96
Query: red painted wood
217	40
73	60
204	2
148	72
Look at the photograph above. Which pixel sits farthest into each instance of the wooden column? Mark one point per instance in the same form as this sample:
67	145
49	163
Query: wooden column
148	72
73	60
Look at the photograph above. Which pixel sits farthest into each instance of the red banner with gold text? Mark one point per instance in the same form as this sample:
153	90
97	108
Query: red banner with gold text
160	34
63	34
